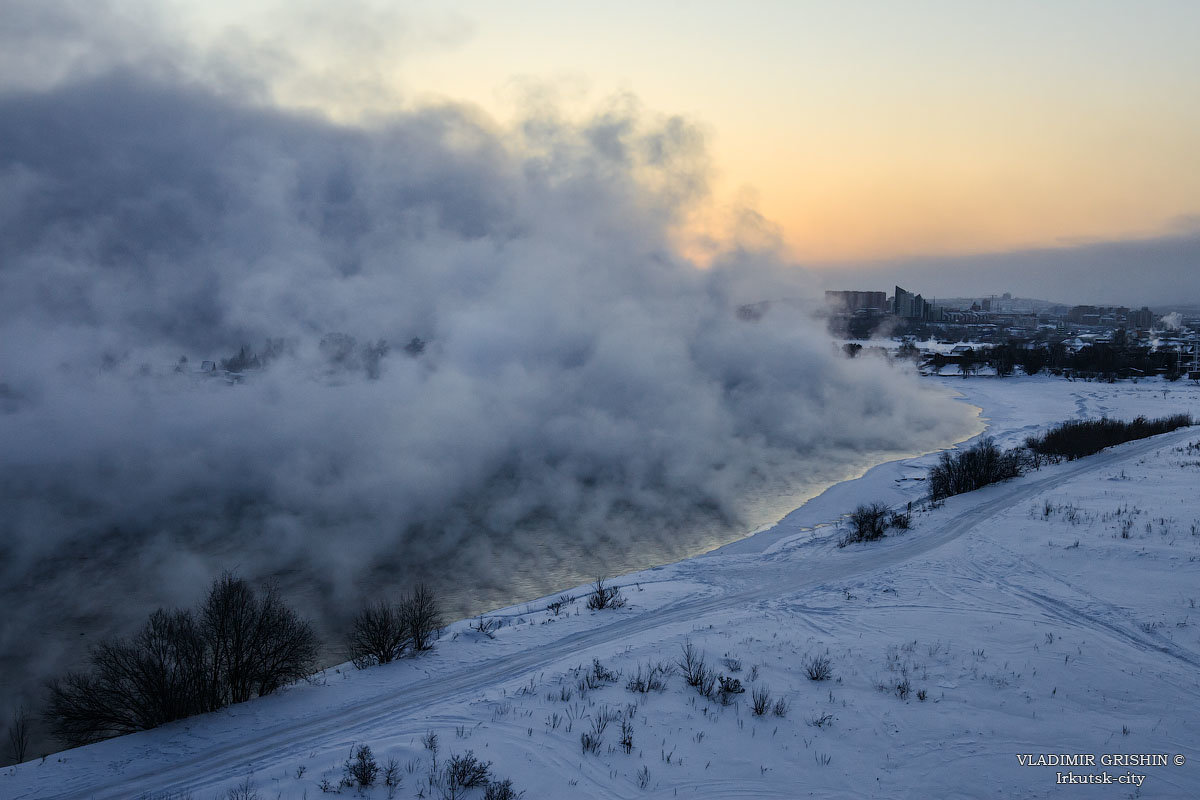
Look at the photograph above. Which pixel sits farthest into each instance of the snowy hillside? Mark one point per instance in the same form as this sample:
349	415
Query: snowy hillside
1054	614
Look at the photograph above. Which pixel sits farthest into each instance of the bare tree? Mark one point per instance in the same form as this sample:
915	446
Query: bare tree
159	676
258	643
287	652
422	616
18	733
379	635
228	618
244	643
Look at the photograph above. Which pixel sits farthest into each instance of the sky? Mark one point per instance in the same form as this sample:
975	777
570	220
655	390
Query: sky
890	129
866	136
864	132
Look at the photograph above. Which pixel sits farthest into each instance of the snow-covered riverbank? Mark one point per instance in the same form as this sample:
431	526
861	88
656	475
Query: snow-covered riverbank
1052	614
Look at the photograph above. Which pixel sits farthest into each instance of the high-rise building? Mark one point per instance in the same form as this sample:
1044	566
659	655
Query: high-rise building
1142	319
1077	313
851	301
907	305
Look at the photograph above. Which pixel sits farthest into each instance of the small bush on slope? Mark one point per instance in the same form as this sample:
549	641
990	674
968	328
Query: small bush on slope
362	770
501	790
973	468
604	596
868	523
378	635
818	668
466	771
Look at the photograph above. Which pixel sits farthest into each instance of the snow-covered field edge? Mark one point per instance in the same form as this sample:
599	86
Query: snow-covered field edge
1054	614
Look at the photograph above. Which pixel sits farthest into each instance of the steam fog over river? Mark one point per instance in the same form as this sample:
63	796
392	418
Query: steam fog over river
586	401
103	580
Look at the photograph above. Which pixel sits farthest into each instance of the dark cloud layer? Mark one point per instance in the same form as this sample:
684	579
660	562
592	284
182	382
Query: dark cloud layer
586	400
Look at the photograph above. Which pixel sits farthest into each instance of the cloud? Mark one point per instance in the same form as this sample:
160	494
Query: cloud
585	400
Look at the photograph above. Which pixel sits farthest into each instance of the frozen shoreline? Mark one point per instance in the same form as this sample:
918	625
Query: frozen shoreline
1018	610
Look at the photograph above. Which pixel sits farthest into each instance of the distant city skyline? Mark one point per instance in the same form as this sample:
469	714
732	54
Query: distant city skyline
1161	271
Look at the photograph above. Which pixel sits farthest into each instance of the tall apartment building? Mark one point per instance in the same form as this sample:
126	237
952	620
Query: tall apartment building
850	301
907	305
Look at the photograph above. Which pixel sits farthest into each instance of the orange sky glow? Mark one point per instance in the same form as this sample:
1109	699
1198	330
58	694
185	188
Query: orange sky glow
864	131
